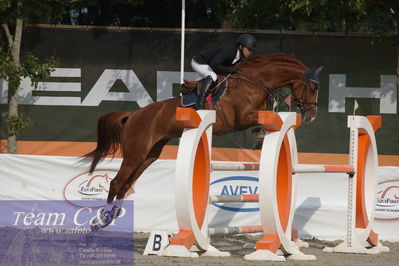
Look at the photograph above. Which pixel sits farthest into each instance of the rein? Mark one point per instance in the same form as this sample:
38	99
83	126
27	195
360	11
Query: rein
299	103
219	110
261	84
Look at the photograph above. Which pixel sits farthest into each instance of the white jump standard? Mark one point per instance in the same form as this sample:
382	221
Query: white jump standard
192	184
277	168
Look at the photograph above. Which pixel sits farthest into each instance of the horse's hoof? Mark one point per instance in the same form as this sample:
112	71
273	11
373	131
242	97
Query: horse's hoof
105	218
94	228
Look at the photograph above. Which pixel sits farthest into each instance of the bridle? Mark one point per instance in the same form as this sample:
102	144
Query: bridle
302	101
298	102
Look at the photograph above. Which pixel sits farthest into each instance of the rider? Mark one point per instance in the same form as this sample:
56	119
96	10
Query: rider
221	60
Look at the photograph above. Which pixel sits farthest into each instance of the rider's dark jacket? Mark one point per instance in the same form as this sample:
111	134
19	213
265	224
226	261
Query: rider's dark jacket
220	59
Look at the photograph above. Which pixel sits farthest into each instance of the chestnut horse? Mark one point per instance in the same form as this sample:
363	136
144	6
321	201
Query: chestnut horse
143	133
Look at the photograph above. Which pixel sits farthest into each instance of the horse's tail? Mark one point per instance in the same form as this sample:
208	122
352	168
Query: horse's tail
109	136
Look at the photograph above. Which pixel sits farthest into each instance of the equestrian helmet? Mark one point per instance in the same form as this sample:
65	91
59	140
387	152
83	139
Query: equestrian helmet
247	40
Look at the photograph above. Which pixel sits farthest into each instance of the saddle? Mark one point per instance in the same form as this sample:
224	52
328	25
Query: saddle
190	88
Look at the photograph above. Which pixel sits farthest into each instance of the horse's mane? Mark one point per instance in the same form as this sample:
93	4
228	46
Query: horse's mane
280	59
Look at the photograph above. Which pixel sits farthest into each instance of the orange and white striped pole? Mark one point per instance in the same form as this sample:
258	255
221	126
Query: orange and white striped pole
233	198
296	169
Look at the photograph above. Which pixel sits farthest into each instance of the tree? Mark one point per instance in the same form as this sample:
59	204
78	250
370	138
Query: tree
262	14
150	13
13	15
380	17
387	24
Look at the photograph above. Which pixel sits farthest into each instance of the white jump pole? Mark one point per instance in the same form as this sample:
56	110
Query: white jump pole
183	27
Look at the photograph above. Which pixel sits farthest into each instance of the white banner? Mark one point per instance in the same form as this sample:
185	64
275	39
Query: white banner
321	198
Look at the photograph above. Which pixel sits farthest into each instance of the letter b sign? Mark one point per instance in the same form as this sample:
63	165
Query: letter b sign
157	242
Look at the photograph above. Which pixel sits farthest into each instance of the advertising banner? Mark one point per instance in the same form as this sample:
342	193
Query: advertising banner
321	199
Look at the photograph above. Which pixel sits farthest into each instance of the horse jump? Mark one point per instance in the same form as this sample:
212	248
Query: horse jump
278	163
142	134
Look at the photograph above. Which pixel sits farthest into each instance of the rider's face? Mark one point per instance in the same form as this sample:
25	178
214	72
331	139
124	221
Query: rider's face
246	51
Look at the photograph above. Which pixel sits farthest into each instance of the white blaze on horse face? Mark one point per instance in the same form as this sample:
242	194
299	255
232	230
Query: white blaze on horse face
314	114
313	117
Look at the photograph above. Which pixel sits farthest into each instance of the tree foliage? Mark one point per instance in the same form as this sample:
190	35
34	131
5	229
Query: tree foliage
30	67
33	11
348	15
302	15
13	15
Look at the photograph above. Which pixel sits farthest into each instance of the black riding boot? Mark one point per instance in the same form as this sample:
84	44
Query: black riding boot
205	86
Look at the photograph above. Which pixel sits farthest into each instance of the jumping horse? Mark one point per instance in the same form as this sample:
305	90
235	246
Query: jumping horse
142	134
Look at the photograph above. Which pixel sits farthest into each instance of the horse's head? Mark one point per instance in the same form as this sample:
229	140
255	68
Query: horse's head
305	94
275	71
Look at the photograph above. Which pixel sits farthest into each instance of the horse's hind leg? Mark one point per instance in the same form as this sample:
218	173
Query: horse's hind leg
126	170
128	184
112	209
152	157
127	175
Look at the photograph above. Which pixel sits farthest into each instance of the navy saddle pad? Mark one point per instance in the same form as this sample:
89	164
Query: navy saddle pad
192	98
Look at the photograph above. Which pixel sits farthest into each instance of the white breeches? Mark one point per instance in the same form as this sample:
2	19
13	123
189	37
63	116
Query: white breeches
204	70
